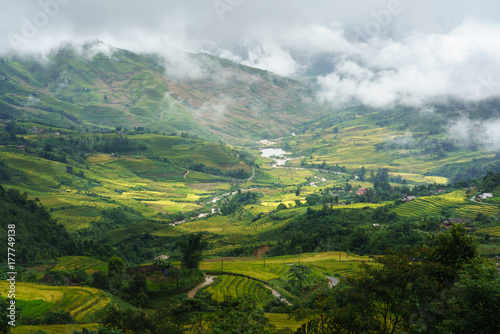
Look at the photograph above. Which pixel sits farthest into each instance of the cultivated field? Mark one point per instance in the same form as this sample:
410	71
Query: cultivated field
432	206
332	263
227	286
37	299
90	265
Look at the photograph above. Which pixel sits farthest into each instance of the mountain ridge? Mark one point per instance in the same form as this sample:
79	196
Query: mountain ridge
103	87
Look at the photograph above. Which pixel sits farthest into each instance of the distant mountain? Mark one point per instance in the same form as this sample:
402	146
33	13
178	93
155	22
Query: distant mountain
97	86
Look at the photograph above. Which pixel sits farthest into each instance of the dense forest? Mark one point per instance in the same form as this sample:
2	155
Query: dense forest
37	235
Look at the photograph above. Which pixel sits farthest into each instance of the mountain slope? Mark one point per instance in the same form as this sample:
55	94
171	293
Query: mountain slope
103	87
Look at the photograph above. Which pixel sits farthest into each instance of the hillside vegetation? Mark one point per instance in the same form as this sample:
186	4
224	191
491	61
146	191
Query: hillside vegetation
98	86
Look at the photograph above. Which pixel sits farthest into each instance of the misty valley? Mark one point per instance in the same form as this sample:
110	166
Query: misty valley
198	194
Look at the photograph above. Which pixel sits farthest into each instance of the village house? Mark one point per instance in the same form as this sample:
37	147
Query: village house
408	199
448	222
485	196
361	191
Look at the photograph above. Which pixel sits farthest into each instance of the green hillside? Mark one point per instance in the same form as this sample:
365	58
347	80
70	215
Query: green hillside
99	87
109	159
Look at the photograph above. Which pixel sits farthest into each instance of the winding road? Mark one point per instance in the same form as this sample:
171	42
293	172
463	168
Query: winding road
332	281
208	280
253	174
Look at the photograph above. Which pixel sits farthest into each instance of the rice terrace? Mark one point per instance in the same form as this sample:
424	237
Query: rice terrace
229	167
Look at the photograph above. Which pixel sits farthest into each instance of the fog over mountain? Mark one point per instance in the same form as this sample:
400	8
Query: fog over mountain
380	53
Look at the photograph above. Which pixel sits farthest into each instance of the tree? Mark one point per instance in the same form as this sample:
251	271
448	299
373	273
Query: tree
442	288
453	249
192	251
159	278
116	273
79	275
240	316
281	206
313	199
4	316
137	290
115	266
298	274
475	302
100	280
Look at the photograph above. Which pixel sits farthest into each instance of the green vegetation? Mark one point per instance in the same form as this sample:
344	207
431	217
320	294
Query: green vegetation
87	89
429	289
41	236
119	184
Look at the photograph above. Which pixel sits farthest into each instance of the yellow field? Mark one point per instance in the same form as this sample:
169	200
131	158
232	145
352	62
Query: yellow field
80	303
83	262
338	263
281	321
54	329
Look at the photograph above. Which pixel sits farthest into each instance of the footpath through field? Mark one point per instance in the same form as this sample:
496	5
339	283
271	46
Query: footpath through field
208	280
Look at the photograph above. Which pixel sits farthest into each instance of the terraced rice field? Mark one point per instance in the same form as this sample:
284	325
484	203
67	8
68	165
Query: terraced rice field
83	262
77	218
54	329
494	231
253	269
37	299
472	209
266	223
280	320
235	286
430	205
333	263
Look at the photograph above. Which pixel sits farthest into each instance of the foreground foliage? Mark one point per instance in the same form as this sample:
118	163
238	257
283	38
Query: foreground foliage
445	288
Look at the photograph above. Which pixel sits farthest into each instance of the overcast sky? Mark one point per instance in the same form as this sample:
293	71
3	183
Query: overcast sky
379	52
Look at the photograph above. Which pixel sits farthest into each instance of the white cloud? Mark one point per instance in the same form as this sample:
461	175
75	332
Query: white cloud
468	132
271	57
462	64
424	51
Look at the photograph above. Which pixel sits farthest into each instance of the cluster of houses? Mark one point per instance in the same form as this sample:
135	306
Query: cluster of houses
36	130
5	121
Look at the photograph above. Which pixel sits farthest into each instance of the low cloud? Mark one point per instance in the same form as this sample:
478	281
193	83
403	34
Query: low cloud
32	101
463	64
421	53
470	133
